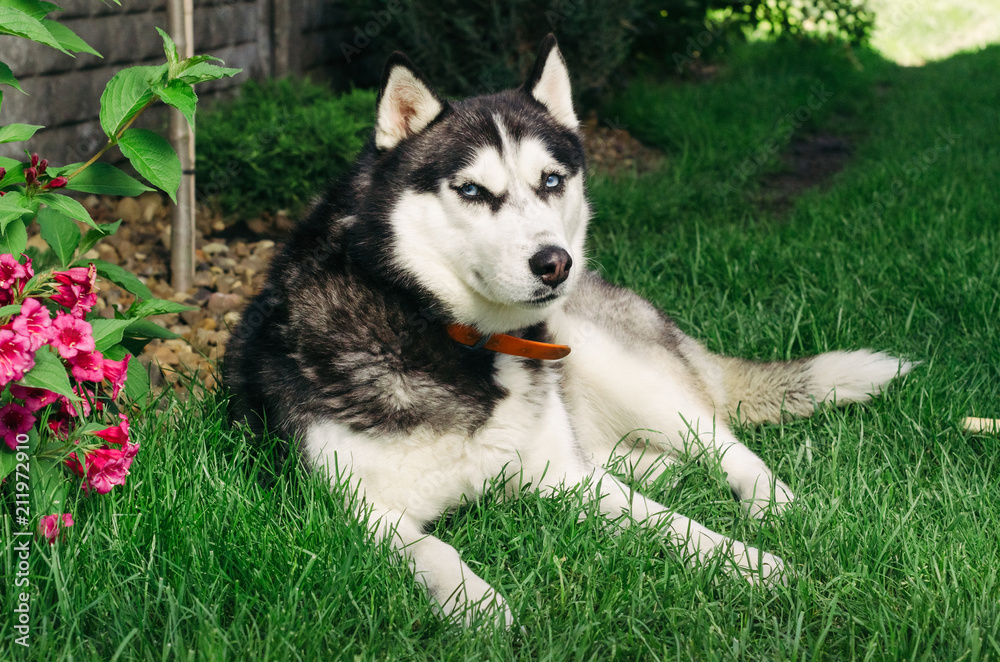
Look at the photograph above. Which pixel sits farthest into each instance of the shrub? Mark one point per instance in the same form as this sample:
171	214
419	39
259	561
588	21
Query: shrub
847	20
667	27
63	366
682	31
278	144
470	48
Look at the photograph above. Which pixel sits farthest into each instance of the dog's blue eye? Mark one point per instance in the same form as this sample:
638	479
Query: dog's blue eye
470	190
553	181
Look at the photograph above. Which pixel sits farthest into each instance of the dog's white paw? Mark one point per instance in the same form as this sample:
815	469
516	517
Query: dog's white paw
759	567
476	604
769	496
492	612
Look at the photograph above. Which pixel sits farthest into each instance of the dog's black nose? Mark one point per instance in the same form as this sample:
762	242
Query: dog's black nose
551	264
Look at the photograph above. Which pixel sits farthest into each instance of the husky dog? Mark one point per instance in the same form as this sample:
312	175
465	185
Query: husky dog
412	339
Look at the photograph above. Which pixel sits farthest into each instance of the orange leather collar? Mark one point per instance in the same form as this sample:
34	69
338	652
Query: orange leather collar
504	344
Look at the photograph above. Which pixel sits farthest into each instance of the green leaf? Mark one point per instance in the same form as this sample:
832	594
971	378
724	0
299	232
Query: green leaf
13	133
181	96
125	95
108	333
115	352
154	158
49	373
7	78
8	458
20	24
34	8
102	179
15	172
121	276
68	39
134	346
193	60
137	382
169	47
90	428
144	328
151	307
12	309
49	487
203	72
100	232
66	205
11	210
14	238
60	232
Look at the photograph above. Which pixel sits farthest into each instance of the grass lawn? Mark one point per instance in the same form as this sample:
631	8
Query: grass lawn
209	554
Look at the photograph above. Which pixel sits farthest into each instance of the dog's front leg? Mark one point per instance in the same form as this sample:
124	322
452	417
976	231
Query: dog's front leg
460	593
627	507
750	479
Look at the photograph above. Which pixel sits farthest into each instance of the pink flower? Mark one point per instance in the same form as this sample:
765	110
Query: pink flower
14	420
34	398
48	527
16	357
33	323
83	276
76	289
13	276
87	401
116	372
88	366
117	434
76	298
105	467
72	336
60	426
11	271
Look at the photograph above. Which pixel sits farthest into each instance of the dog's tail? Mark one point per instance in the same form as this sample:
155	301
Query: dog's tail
771	392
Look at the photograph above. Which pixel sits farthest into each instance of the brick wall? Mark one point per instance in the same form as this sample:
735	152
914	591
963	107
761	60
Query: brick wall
262	37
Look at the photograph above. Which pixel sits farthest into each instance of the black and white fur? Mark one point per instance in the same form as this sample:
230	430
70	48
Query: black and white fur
446	217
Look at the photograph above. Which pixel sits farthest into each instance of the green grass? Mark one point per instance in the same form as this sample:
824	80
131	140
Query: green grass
209	554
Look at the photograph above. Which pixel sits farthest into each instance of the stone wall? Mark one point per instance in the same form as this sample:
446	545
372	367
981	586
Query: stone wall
262	37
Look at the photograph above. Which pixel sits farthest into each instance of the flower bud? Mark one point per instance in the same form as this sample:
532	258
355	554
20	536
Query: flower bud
58	182
3	173
34	159
42	165
30	175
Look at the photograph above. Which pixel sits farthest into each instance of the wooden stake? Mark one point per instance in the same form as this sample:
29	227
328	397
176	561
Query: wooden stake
181	16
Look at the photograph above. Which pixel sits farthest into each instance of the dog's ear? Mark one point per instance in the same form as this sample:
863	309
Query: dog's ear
406	104
548	83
